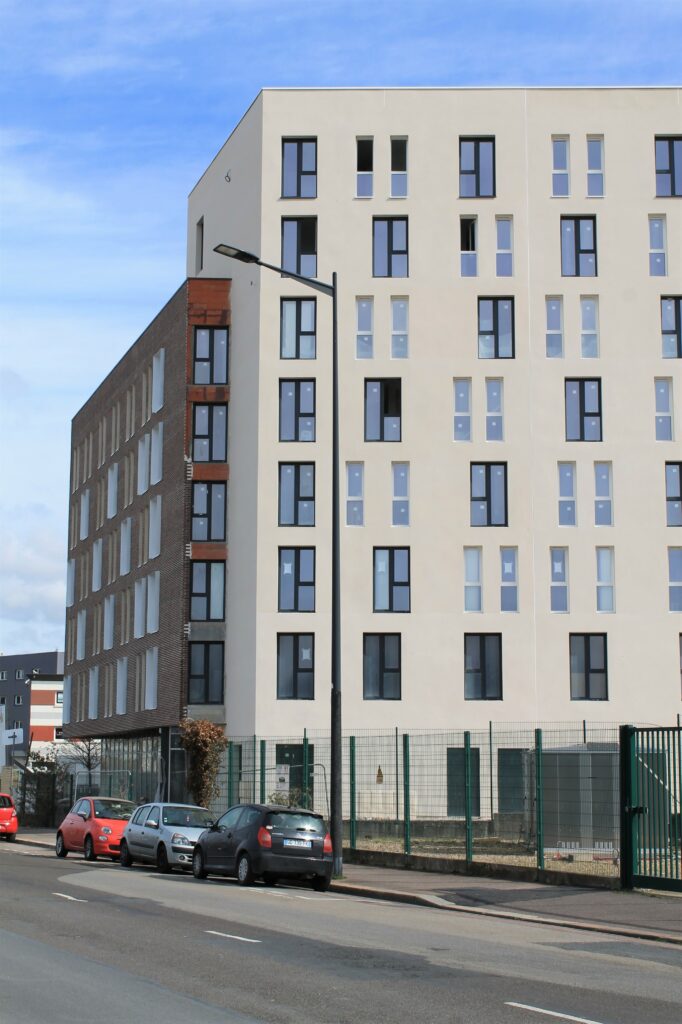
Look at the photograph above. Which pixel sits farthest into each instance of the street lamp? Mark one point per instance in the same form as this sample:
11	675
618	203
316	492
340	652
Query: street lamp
336	794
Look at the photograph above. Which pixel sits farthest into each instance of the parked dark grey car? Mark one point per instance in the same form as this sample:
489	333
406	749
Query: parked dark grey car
266	841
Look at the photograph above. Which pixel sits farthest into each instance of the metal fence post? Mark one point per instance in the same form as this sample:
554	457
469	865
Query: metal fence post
539	817
628	798
253	766
353	818
406	793
306	779
262	771
229	774
469	832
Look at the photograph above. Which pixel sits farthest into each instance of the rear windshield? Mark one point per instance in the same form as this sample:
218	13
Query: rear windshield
298	822
192	817
6	801
115	810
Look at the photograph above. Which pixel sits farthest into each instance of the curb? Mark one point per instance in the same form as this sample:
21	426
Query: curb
20	840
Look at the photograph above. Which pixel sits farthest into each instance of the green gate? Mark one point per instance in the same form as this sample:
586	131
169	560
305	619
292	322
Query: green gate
651	810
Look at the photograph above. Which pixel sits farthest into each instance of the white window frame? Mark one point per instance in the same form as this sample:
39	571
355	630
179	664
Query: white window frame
400	474
502	254
558	170
155	526
97	565
400	335
594	173
151	677
355	493
587	303
492	415
509	581
607	498
364	304
606	592
153	594
143	452
156	454
112	490
84	525
462	408
473	579
658	259
558	558
552	333
664	412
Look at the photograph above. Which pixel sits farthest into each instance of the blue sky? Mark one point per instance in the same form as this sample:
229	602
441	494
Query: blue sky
111	109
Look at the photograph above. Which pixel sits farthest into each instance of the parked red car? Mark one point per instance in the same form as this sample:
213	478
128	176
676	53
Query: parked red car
9	823
94	826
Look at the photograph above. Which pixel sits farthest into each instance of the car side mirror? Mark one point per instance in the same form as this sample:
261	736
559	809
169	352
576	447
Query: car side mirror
83	815
214	827
152	824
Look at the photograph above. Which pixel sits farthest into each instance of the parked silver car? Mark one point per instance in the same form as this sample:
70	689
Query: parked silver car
163	834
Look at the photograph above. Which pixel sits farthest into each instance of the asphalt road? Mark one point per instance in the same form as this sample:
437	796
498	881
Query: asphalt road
99	943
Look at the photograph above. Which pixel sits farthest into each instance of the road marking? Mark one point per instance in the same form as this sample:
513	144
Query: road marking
224	935
552	1013
64	896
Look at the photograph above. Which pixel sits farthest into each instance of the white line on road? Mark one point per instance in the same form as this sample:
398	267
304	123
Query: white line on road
64	896
224	935
552	1013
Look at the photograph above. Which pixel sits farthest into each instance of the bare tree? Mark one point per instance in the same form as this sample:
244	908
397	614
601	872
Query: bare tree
86	752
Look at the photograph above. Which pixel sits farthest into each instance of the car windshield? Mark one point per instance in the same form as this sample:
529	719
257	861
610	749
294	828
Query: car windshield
5	801
298	822
191	817
114	810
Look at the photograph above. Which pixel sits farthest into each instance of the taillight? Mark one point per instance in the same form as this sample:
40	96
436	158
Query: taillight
327	846
264	838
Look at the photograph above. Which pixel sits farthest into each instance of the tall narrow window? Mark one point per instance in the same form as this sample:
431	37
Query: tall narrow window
207	592
589	678
210	355
389	249
108	629
605	587
462	409
140	609
297	410
579	246
603	497
112	490
84	515
583	409
391	579
93	691
398	168
560	167
297	337
295	666
673	493
504	258
299	168
473	596
595	165
468	237
121	685
365	167
496	328
589	327
296	494
381	666
671	327
158	366
209	436
126	537
494	420
155	526
657	247
364	329
669	165
383	410
476	168
488	505
400	505
664	409
156	453
399	329
299	245
208	511
554	327
558	591
675	579
355	505
199	250
509	583
205	684
482	666
296	580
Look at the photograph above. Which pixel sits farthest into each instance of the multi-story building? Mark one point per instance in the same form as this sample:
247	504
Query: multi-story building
510	326
17	695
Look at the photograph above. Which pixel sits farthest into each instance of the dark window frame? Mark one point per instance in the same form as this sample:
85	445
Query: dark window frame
204	675
298	498
575	219
582	382
476	172
391	610
496	300
296	670
489	466
210	362
391	251
383	382
298	415
299	252
670	498
585	638
382	637
298	142
671	171
207	592
300	333
485	684
208	516
297	582
211	406
676	331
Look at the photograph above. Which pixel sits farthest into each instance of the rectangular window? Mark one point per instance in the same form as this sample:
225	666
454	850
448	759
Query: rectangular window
140	610
483	666
389	247
210	355
151	678
504	257
595	165
496	328
558	591
355	504
143	449
108	631
657	247
112	491
675	579
605	582
579	246
400	508
473	584
364	332
153	597
671	327
156	456
295	666
488	494
669	165
589	676
85	515
664	408
155	526
476	168
207	592
121	685
299	245
398	168
126	539
673	493
299	168
603	497
589	327
554	327
297	410
399	329
81	626
462	409
208	511
158	363
494	417
209	433
560	166
383	410
298	329
93	691
381	669
97	565
566	494
583	409
205	684
296	580
468	236
364	179
296	494
391	579
70	582
199	246
509	584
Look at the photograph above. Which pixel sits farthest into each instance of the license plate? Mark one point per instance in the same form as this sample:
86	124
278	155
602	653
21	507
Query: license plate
301	844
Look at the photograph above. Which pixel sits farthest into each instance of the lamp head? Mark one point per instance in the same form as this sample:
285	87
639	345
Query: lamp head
236	254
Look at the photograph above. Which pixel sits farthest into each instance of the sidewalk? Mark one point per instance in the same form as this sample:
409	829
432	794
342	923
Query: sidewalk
641	915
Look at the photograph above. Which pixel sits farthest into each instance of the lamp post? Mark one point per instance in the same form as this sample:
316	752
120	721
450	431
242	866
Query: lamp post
336	810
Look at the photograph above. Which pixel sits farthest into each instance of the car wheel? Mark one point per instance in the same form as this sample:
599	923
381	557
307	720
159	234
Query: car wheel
321	883
125	860
269	879
89	849
11	837
244	870
198	869
162	864
60	846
